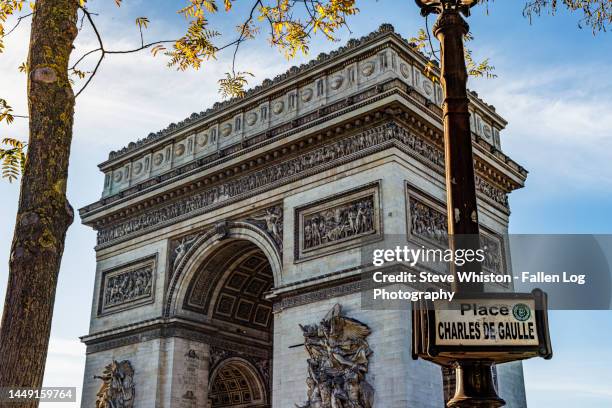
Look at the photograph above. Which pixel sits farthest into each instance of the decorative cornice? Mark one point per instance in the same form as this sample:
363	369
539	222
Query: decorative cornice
283	130
158	330
328	156
367	96
267	84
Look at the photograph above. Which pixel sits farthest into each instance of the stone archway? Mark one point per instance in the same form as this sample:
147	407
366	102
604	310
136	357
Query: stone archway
236	383
213	246
228	289
224	287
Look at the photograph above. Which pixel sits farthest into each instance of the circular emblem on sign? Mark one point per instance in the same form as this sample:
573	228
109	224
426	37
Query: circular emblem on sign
521	312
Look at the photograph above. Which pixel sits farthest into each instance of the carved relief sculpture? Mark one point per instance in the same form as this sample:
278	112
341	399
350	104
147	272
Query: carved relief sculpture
344	221
127	286
180	246
492	246
117	390
430	224
338	222
271	221
338	363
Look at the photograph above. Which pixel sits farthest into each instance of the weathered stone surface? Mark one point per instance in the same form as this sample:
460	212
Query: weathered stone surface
221	235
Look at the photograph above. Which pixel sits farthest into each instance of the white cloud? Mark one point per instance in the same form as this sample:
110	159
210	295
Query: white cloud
560	125
64	368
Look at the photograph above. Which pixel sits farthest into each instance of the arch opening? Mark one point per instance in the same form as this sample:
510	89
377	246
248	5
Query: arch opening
230	288
228	292
235	384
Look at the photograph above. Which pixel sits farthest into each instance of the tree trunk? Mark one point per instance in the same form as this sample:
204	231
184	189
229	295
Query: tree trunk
44	213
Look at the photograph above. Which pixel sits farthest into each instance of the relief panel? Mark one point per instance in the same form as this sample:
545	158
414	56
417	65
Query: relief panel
427	224
127	286
405	71
203	141
338	222
161	160
141	168
367	70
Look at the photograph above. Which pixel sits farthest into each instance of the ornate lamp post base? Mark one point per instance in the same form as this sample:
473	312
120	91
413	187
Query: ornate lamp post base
475	386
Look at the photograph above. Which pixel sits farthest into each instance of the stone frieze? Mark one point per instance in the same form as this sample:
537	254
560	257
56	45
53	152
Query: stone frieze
320	158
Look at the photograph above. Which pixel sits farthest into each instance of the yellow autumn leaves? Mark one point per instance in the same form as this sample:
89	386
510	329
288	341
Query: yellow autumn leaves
290	30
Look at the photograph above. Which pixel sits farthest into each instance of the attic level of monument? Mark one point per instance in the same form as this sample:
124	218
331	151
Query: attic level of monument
312	69
378	69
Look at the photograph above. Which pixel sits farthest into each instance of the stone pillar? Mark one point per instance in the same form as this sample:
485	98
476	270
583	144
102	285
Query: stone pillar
184	373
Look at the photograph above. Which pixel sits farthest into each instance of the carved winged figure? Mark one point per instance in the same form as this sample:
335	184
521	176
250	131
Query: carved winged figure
183	246
273	220
117	389
339	355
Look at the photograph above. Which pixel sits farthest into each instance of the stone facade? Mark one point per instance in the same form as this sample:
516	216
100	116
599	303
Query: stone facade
219	236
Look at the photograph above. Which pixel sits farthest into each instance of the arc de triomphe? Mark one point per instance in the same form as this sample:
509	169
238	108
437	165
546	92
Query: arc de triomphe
222	234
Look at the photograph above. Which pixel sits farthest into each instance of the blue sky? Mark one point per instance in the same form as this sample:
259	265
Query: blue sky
553	87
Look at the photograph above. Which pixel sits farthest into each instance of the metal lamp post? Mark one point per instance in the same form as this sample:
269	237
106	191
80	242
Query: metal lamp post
474	378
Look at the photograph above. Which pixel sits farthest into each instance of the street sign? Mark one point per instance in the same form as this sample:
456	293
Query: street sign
499	327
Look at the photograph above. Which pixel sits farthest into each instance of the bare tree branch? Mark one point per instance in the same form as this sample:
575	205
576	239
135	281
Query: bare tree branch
103	51
17	24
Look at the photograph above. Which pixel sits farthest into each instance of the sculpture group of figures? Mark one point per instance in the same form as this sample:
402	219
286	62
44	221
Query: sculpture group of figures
117	390
338	363
128	286
338	223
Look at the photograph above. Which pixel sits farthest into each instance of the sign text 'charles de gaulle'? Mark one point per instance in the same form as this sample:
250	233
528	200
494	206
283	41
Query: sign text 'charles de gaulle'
500	327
